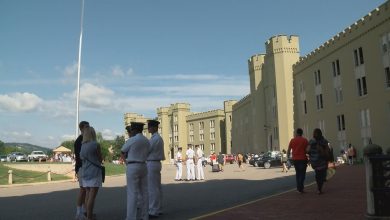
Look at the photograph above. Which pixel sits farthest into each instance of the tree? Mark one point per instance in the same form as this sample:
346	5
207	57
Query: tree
2	148
117	145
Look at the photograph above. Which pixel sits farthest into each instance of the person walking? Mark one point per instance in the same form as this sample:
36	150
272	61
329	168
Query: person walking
221	161
153	163
190	154
199	165
318	151
351	154
240	160
179	164
298	146
91	170
80	210
283	159
137	149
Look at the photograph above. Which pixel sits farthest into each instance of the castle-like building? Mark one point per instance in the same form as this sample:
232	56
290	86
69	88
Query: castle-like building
179	127
263	120
342	87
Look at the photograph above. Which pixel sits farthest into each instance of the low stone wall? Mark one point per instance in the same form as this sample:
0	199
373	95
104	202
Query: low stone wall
63	168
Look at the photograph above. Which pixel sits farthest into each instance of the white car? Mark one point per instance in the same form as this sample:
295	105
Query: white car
37	155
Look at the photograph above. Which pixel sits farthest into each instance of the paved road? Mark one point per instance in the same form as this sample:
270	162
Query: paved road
182	200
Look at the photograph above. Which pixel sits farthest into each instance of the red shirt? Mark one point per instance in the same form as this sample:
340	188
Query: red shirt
298	146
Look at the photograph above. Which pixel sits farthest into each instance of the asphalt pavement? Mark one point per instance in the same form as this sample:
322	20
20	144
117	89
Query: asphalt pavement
182	200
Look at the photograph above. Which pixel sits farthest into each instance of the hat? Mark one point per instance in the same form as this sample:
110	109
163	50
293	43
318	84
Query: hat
153	123
136	125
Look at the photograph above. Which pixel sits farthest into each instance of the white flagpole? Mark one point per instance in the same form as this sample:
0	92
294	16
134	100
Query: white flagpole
78	69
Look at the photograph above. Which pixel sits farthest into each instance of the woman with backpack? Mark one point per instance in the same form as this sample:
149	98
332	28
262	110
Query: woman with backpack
319	154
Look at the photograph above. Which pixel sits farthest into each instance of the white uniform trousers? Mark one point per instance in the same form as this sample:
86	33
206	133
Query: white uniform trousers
154	187
137	189
190	169
179	170
199	169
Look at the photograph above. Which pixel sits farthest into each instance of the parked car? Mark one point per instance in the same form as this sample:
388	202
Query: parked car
36	156
270	159
17	156
3	158
254	159
230	158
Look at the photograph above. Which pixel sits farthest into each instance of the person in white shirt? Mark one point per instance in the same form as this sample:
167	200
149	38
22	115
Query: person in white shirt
179	164
199	166
190	154
153	162
137	149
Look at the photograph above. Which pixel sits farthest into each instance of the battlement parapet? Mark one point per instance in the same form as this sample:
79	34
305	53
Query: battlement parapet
204	115
282	44
373	18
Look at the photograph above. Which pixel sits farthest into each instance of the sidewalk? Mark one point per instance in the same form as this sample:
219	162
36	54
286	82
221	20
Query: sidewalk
344	198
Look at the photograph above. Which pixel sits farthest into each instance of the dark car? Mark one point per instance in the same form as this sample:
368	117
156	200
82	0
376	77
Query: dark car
254	159
270	159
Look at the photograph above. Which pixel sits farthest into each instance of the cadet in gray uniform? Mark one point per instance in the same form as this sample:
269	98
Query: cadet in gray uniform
137	149
153	163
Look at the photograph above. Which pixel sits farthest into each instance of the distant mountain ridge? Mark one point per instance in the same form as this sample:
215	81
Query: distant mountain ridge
27	147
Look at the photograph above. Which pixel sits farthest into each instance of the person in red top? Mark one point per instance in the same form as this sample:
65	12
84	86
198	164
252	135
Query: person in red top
298	146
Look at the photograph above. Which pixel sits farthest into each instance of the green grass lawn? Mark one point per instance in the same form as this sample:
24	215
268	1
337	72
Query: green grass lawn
114	169
26	176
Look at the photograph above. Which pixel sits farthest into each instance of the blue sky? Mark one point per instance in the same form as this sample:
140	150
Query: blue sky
140	55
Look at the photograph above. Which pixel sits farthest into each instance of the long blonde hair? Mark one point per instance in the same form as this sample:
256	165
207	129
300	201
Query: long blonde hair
89	134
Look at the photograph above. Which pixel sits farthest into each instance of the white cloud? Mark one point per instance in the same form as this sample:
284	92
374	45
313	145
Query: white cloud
119	72
108	134
71	69
20	102
67	137
93	96
187	77
15	135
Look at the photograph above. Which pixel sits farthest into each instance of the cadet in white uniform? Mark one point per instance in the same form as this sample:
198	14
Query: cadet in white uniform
199	166
137	149
153	163
179	165
190	163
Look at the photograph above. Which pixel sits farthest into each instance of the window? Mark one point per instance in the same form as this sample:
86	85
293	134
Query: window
176	128
339	95
317	77
175	118
201	125
305	107
336	68
170	140
320	104
362	86
230	118
176	138
201	137
321	125
201	146
191	138
212	136
212	148
358	55
365	118
387	75
276	133
212	123
341	122
191	126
